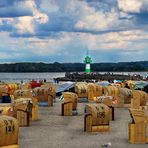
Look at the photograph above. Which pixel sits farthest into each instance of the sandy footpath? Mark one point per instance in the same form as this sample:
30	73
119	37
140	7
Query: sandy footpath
56	131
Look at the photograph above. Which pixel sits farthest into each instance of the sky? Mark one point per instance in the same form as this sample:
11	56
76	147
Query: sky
63	30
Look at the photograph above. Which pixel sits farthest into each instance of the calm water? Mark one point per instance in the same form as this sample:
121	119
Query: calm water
17	77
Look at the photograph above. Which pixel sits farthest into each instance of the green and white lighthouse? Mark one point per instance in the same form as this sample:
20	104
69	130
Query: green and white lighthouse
87	62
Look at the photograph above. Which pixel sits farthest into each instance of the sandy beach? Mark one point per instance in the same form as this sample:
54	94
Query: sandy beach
56	131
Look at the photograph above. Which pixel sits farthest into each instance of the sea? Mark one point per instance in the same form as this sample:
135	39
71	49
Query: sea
26	77
49	76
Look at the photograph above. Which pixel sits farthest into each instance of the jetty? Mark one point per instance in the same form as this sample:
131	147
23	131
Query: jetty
81	76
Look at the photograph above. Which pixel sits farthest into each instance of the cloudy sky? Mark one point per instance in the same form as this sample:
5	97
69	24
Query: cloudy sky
63	30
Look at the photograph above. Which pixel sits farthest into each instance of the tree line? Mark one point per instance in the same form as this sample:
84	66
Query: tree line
74	67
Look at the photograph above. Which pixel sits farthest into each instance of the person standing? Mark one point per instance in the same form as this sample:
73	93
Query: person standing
126	86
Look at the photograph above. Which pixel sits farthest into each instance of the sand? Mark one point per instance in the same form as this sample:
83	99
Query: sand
56	131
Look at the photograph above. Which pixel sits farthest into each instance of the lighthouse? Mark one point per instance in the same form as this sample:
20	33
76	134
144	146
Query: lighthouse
87	62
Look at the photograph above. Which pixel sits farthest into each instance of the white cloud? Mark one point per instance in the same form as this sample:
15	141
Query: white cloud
28	4
6	55
91	19
37	15
77	8
1	22
11	45
42	18
7	20
97	21
130	5
125	15
49	6
48	46
124	41
25	25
